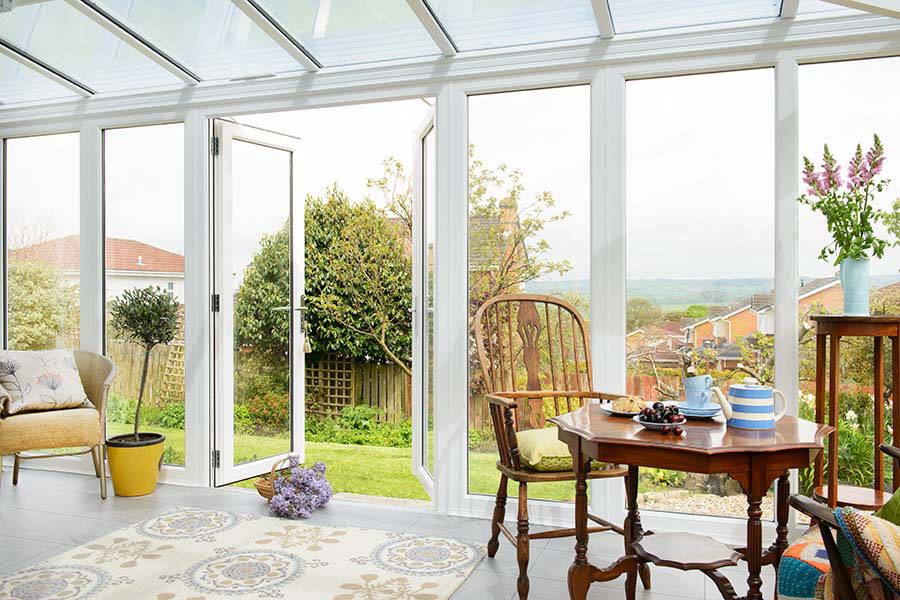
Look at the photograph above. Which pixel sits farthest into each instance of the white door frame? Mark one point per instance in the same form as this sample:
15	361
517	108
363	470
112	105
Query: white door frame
225	470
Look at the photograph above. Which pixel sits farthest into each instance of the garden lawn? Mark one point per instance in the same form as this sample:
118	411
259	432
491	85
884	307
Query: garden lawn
369	470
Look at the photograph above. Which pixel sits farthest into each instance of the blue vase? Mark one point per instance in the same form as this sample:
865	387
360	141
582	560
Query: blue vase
855	281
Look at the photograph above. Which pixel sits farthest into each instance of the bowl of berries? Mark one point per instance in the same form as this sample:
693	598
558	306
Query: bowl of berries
662	418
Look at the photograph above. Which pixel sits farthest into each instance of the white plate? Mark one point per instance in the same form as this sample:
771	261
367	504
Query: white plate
617	413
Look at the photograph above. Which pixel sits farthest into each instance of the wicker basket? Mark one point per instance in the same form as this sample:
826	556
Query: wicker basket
265	485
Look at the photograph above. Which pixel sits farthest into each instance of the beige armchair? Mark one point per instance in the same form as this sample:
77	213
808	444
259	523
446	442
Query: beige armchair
67	428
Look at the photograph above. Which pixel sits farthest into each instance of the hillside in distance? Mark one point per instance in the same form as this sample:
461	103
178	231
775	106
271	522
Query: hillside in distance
679	293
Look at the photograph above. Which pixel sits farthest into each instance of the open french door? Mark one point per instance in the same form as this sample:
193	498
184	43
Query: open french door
258	281
424	206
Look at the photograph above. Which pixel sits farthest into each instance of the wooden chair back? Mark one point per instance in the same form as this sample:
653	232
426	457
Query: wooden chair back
530	342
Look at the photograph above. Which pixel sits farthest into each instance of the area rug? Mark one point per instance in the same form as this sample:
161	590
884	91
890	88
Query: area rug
201	554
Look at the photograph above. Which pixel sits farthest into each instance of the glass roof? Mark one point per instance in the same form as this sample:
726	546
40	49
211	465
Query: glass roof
112	46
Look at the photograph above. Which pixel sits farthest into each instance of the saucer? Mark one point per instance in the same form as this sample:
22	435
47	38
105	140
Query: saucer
698	410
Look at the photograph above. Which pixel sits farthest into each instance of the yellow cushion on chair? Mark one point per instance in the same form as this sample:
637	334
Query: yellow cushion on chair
541	450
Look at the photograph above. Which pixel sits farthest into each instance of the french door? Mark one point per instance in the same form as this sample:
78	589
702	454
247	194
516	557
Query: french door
424	224
258	301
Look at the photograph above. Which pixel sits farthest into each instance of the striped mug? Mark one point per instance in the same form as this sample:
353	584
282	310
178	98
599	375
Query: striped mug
752	406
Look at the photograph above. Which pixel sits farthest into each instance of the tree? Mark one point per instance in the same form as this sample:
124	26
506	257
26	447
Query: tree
42	307
640	312
149	316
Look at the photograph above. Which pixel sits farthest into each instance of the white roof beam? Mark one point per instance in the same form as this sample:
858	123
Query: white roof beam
886	8
789	8
281	36
433	26
604	19
50	72
133	38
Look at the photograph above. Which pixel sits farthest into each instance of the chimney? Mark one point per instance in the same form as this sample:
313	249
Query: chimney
509	214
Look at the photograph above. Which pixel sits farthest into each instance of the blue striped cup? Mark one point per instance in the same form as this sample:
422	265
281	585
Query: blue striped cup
752	406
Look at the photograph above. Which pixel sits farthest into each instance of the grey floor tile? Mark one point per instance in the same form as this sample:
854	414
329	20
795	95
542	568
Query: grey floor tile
481	585
90	504
48	479
35	559
53	527
473	530
506	561
738	577
15	550
607	545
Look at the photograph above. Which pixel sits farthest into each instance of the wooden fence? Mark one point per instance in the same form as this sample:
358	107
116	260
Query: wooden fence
129	360
333	382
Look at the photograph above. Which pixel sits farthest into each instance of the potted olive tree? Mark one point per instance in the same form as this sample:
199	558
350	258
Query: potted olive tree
849	210
149	317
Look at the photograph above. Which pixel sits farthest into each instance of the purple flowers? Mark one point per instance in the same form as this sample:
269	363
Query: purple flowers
301	492
860	171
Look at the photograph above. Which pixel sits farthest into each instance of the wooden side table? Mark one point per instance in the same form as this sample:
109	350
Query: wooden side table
878	328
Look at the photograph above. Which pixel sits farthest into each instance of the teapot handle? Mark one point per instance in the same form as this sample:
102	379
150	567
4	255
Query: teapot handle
783	410
723	402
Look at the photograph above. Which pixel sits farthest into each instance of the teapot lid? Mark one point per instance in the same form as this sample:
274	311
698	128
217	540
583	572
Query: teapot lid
749	383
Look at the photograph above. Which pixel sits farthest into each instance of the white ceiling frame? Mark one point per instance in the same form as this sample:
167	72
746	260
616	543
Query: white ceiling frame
885	8
50	72
136	40
789	8
433	26
604	19
278	34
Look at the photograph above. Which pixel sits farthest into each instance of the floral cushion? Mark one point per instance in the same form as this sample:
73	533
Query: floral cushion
42	380
874	539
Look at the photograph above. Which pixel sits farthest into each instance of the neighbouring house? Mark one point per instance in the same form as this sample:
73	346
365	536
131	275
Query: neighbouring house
725	324
486	258
129	263
663	341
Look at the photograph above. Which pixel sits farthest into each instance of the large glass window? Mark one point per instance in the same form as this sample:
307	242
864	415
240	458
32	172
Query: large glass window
42	238
860	102
529	232
700	250
144	207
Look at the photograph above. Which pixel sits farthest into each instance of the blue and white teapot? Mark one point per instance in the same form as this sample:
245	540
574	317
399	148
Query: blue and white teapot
750	405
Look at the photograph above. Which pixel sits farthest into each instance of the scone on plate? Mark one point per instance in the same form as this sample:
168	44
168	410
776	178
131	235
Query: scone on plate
629	404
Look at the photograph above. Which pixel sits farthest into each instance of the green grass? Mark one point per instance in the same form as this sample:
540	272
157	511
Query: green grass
369	470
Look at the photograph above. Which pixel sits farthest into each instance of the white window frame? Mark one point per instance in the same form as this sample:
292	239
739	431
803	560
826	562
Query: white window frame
766	43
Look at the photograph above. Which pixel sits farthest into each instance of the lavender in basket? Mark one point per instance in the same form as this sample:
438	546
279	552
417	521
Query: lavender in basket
301	492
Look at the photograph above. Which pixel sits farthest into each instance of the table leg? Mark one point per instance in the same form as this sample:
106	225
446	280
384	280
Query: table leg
782	492
834	390
754	547
579	580
895	396
819	468
633	528
879	412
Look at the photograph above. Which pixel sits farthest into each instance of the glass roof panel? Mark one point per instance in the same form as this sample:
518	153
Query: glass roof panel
213	37
630	16
478	24
58	34
342	32
18	83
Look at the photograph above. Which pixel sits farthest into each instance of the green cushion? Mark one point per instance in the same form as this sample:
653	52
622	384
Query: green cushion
541	450
891	510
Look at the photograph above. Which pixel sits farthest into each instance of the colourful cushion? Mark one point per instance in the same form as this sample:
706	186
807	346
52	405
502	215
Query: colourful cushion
43	380
801	573
541	450
874	539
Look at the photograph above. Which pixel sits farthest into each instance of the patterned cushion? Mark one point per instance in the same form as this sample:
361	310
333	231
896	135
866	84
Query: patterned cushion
876	540
801	573
43	380
541	450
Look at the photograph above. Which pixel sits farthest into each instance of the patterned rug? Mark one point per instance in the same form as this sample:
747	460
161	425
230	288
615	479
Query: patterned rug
201	554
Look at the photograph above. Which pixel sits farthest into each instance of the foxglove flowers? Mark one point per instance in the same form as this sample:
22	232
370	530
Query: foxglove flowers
847	206
302	491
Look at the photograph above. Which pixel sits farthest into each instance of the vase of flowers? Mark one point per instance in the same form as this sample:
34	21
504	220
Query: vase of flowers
848	208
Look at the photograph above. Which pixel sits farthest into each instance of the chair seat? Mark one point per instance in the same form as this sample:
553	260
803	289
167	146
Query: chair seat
50	429
526	475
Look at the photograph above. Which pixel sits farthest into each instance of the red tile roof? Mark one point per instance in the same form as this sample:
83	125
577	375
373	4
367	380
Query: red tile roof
121	255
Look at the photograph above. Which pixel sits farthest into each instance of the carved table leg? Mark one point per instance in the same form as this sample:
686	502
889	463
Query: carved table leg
754	529
633	528
781	517
579	572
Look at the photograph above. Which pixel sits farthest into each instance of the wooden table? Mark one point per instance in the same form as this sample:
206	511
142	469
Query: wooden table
754	459
878	328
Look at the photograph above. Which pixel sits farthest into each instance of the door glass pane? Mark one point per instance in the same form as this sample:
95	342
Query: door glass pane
62	36
430	225
43	241
213	37
529	232
340	32
145	248
500	23
700	248
261	265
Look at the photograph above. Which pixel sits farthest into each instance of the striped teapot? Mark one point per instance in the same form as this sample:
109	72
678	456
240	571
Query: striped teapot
750	405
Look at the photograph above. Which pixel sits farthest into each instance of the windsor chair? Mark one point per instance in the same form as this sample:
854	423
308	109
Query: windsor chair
535	359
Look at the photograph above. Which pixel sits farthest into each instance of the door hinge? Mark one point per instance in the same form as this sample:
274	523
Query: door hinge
216	459
215	303
214	146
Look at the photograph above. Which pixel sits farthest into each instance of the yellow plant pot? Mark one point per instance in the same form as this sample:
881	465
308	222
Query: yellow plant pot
134	466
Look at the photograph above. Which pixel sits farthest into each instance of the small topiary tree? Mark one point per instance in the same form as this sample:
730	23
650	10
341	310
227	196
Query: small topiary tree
148	316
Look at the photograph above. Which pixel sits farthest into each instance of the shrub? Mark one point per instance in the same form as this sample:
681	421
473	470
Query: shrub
270	411
171	415
358	425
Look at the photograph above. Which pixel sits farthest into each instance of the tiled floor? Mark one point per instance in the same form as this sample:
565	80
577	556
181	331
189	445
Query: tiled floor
48	513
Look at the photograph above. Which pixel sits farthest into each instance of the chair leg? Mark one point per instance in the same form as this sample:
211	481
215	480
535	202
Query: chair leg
522	546
16	461
95	454
497	519
101	454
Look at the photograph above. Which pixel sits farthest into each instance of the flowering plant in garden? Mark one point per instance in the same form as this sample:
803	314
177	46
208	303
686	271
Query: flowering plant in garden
300	492
847	206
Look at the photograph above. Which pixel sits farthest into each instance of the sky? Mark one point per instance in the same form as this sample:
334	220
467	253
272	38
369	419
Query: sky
700	168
